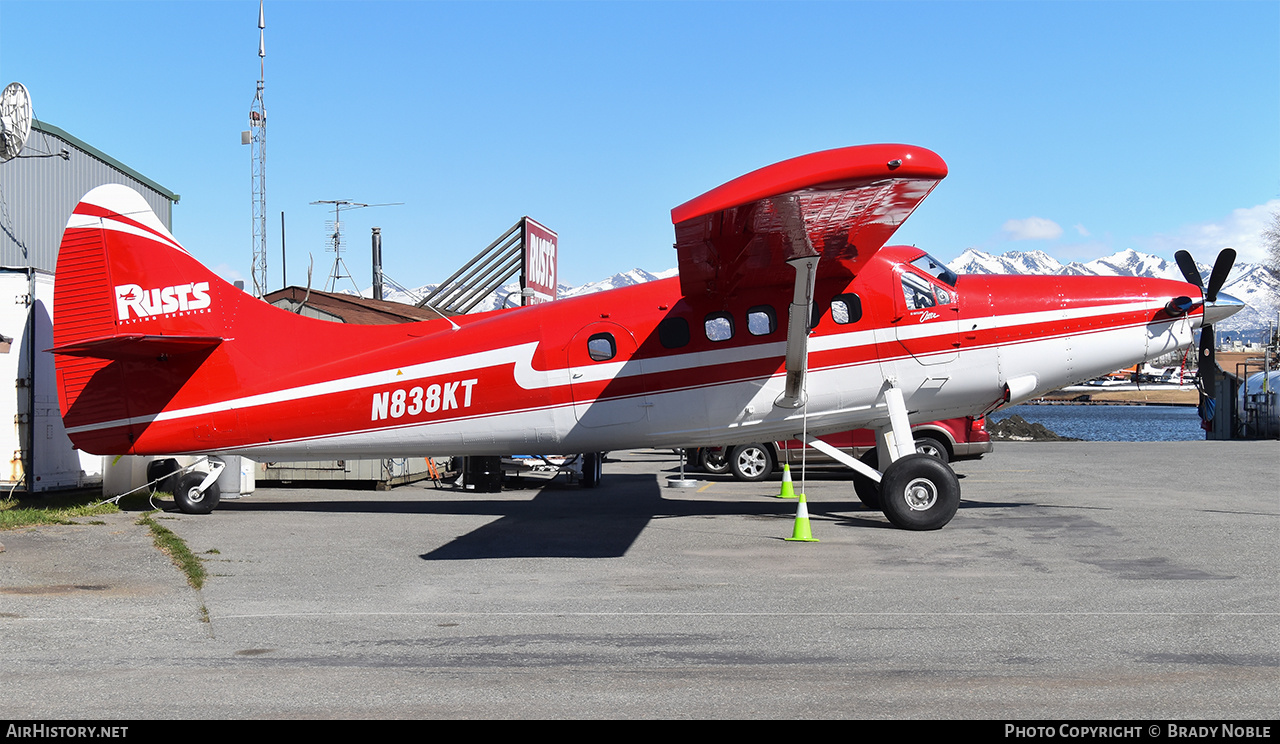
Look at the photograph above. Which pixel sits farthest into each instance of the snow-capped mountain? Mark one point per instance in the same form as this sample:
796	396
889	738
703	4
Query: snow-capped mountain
625	279
1249	283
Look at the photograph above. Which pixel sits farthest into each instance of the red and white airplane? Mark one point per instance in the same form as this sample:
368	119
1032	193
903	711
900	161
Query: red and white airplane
789	319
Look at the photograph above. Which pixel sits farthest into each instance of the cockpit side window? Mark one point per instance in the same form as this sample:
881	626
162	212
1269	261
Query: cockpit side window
917	291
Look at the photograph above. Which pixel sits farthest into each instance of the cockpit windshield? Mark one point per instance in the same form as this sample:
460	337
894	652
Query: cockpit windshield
936	269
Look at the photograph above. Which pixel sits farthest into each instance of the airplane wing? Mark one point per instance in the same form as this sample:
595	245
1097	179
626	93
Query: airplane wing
840	205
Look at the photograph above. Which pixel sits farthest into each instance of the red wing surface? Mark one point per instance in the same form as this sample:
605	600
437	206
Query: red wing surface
842	205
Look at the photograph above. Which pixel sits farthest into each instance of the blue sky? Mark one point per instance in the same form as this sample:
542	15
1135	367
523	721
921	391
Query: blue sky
1077	128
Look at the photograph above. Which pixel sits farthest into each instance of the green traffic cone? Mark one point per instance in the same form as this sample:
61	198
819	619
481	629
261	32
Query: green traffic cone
788	490
802	533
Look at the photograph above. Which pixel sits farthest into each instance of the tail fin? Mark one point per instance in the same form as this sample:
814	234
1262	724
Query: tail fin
128	295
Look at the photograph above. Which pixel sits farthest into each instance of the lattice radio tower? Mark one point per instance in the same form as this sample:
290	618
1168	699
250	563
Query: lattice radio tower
258	138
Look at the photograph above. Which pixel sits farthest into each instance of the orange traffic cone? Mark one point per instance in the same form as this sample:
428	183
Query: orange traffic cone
788	490
801	532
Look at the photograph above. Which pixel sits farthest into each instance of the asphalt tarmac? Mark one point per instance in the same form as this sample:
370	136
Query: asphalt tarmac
1077	581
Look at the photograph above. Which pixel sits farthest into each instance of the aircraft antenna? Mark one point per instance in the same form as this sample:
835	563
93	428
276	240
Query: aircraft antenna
257	137
334	241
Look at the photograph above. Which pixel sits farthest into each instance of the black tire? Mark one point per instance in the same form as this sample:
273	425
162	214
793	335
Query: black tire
751	462
868	490
919	493
189	499
592	469
931	445
714	460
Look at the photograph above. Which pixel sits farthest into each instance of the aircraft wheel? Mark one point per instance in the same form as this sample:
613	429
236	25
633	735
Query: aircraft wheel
188	497
714	460
868	490
919	493
927	445
751	462
592	469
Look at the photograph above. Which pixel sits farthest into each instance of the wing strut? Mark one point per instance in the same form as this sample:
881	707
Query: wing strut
841	457
805	264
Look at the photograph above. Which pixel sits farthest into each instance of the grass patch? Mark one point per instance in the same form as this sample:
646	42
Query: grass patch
177	550
59	508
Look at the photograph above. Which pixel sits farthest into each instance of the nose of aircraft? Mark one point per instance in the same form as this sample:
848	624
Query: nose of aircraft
1223	307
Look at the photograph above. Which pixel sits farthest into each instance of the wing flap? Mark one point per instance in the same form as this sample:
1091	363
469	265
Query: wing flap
850	202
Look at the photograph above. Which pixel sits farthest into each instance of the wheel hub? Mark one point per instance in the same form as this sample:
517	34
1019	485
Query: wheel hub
921	494
751	462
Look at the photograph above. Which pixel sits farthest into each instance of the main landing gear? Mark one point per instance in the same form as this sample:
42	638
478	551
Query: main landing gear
918	491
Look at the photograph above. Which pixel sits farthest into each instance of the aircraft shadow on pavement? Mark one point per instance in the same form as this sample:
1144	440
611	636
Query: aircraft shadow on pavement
563	521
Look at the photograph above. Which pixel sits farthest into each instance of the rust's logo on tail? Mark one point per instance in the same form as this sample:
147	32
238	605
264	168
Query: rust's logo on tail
134	304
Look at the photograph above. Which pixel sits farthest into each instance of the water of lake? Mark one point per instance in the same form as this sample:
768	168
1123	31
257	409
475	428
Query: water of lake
1113	423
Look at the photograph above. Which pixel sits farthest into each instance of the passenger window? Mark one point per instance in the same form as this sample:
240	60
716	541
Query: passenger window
673	333
719	326
601	347
761	321
846	309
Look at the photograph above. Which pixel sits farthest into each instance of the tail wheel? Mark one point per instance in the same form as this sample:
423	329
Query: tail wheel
191	500
918	492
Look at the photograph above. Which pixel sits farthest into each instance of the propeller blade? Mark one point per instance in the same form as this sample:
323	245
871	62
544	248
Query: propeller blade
1221	267
1189	269
1207	368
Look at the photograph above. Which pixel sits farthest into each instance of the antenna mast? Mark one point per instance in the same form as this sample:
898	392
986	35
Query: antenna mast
334	241
258	137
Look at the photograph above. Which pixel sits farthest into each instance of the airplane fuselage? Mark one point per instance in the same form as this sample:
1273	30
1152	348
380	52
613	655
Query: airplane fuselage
639	366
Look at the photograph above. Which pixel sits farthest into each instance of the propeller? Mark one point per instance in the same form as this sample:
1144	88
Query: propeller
1207	367
1221	268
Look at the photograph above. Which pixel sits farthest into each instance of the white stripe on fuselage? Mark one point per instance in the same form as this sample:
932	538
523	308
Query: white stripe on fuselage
529	378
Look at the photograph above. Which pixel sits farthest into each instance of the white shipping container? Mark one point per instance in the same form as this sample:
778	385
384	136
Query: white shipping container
29	414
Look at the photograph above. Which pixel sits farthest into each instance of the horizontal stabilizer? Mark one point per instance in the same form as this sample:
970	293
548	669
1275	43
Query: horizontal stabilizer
136	346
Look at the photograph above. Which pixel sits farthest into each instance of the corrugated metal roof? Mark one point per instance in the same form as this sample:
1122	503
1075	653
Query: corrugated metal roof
349	308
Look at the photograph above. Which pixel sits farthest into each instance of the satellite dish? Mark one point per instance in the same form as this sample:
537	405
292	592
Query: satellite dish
15	120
